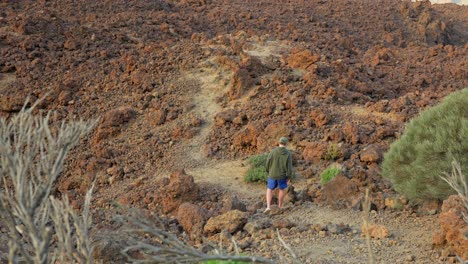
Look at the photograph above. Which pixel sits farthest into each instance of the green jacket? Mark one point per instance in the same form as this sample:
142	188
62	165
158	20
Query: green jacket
279	164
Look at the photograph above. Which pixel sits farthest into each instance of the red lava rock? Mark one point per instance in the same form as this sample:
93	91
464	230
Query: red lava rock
314	151
231	221
282	223
351	133
224	117
241	81
319	117
191	217
269	138
112	122
375	231
371	154
302	59
247	136
429	207
338	192
253	65
159	117
453	229
179	188
233	203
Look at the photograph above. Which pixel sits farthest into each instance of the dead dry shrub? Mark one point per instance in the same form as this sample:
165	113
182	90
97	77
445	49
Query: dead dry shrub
40	228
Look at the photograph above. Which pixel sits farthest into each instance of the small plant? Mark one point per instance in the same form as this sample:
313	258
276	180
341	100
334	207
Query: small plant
328	174
257	171
332	152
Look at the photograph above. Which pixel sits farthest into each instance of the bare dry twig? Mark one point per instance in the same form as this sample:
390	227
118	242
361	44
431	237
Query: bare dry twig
32	155
169	249
365	219
458	182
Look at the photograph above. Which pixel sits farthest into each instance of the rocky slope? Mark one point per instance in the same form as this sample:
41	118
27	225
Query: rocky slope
192	83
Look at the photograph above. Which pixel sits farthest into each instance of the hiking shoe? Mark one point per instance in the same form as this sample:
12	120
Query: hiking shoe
268	210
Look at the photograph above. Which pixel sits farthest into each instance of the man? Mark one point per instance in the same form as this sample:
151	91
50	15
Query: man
280	171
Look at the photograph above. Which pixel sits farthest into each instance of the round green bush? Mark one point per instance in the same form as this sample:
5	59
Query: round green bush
257	171
431	141
328	174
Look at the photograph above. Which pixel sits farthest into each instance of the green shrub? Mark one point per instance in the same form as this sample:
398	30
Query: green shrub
332	152
425	151
257	171
328	174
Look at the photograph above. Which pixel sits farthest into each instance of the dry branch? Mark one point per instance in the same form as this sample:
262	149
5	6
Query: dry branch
32	155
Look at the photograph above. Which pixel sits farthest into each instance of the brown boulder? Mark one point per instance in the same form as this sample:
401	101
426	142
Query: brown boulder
351	133
375	231
282	223
179	188
303	59
225	117
231	221
112	122
453	229
272	133
371	154
319	117
107	248
314	151
232	203
192	218
339	192
241	81
159	117
429	207
248	136
253	65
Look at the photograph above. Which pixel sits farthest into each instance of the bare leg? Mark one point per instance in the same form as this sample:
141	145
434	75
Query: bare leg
269	196
281	194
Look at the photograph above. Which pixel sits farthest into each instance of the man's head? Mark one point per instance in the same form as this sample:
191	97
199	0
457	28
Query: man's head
283	141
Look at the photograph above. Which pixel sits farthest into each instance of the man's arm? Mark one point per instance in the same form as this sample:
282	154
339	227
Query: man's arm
268	163
290	168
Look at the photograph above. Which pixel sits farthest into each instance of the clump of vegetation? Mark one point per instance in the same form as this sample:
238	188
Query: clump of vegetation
257	170
328	174
31	157
425	151
332	152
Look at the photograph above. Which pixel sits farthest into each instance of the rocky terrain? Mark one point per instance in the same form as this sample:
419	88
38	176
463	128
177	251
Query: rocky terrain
200	85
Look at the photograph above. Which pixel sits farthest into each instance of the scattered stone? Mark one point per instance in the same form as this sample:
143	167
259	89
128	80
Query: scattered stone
231	221
375	231
232	203
371	154
429	207
339	192
191	215
338	228
172	192
283	223
453	233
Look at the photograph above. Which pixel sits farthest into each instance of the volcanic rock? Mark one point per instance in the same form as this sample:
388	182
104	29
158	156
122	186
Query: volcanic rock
179	188
231	221
453	229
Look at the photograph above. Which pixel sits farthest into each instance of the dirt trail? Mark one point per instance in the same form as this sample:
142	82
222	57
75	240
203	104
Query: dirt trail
213	83
6	79
229	175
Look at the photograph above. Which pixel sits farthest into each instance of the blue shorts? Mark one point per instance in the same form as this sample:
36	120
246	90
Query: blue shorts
281	184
